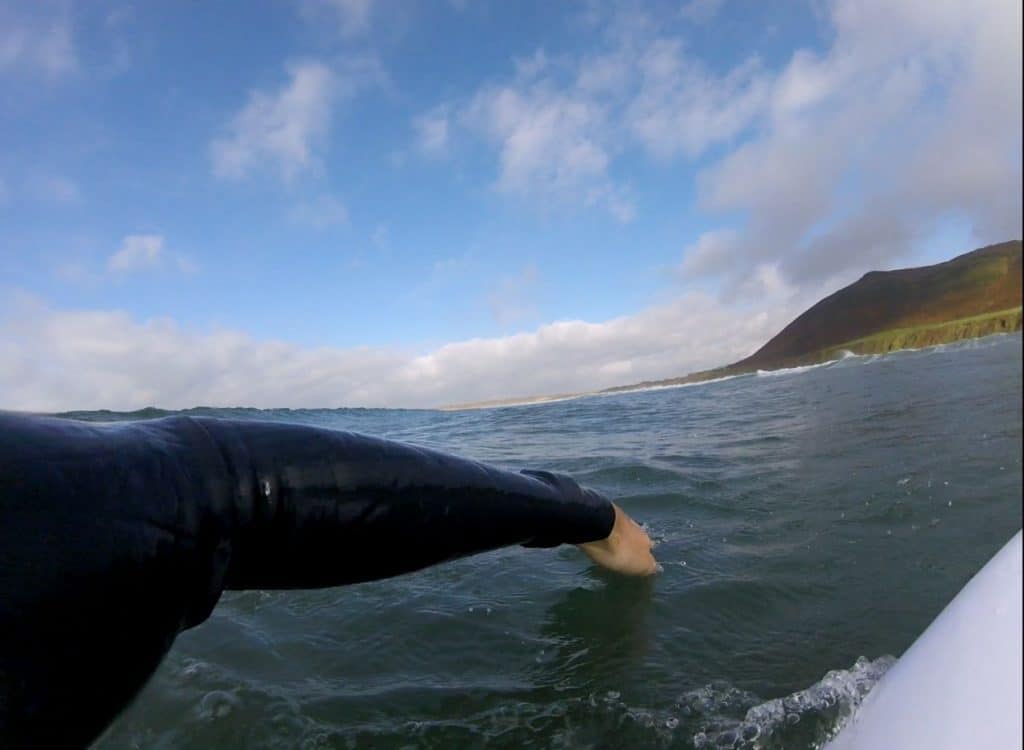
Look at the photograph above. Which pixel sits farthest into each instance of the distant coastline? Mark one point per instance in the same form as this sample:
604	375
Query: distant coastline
919	338
524	401
971	296
883	342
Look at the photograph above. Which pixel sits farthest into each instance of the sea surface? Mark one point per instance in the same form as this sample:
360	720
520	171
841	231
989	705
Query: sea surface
810	523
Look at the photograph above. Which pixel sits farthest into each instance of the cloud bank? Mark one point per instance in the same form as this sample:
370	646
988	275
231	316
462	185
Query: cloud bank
912	117
53	360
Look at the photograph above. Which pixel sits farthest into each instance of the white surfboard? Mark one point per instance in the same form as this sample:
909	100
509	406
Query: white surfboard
959	684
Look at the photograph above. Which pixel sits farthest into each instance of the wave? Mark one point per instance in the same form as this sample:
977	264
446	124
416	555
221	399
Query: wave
971	344
806	718
793	370
847	358
669	386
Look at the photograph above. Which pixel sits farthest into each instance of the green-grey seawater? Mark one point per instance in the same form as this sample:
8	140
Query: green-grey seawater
810	524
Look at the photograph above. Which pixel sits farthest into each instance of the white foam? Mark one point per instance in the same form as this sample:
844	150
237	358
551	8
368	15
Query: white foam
792	370
812	715
670	386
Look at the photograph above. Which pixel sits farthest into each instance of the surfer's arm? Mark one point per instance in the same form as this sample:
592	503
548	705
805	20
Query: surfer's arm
114	538
317	507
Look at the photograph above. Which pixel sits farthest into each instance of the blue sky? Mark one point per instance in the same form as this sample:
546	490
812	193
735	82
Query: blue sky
411	203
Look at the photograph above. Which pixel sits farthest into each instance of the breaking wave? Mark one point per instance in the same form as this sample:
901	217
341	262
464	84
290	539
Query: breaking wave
792	370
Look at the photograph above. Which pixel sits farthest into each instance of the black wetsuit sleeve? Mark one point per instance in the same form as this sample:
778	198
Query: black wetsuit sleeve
318	507
114	538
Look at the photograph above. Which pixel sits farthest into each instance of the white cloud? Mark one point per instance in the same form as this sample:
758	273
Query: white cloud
432	132
839	160
912	115
54	189
289	128
321	212
284	127
138	252
700	11
58	360
682	108
546	138
552	142
712	253
531	67
558	125
42	45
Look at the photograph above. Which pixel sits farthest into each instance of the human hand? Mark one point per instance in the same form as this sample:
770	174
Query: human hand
626	550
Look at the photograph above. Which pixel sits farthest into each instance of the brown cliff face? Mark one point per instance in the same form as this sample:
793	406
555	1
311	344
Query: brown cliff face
980	282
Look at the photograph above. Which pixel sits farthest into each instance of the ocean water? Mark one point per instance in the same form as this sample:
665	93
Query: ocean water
810	524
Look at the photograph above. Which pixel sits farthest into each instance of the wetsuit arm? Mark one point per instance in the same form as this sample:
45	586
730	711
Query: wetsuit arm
115	538
315	507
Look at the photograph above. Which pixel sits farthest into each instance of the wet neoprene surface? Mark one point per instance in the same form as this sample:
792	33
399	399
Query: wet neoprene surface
116	537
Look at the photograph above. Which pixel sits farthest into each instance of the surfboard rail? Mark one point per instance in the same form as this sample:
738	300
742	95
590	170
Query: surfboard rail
959	683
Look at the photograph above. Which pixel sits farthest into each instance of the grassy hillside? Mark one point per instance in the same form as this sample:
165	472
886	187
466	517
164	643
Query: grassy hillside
975	294
982	282
1003	321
